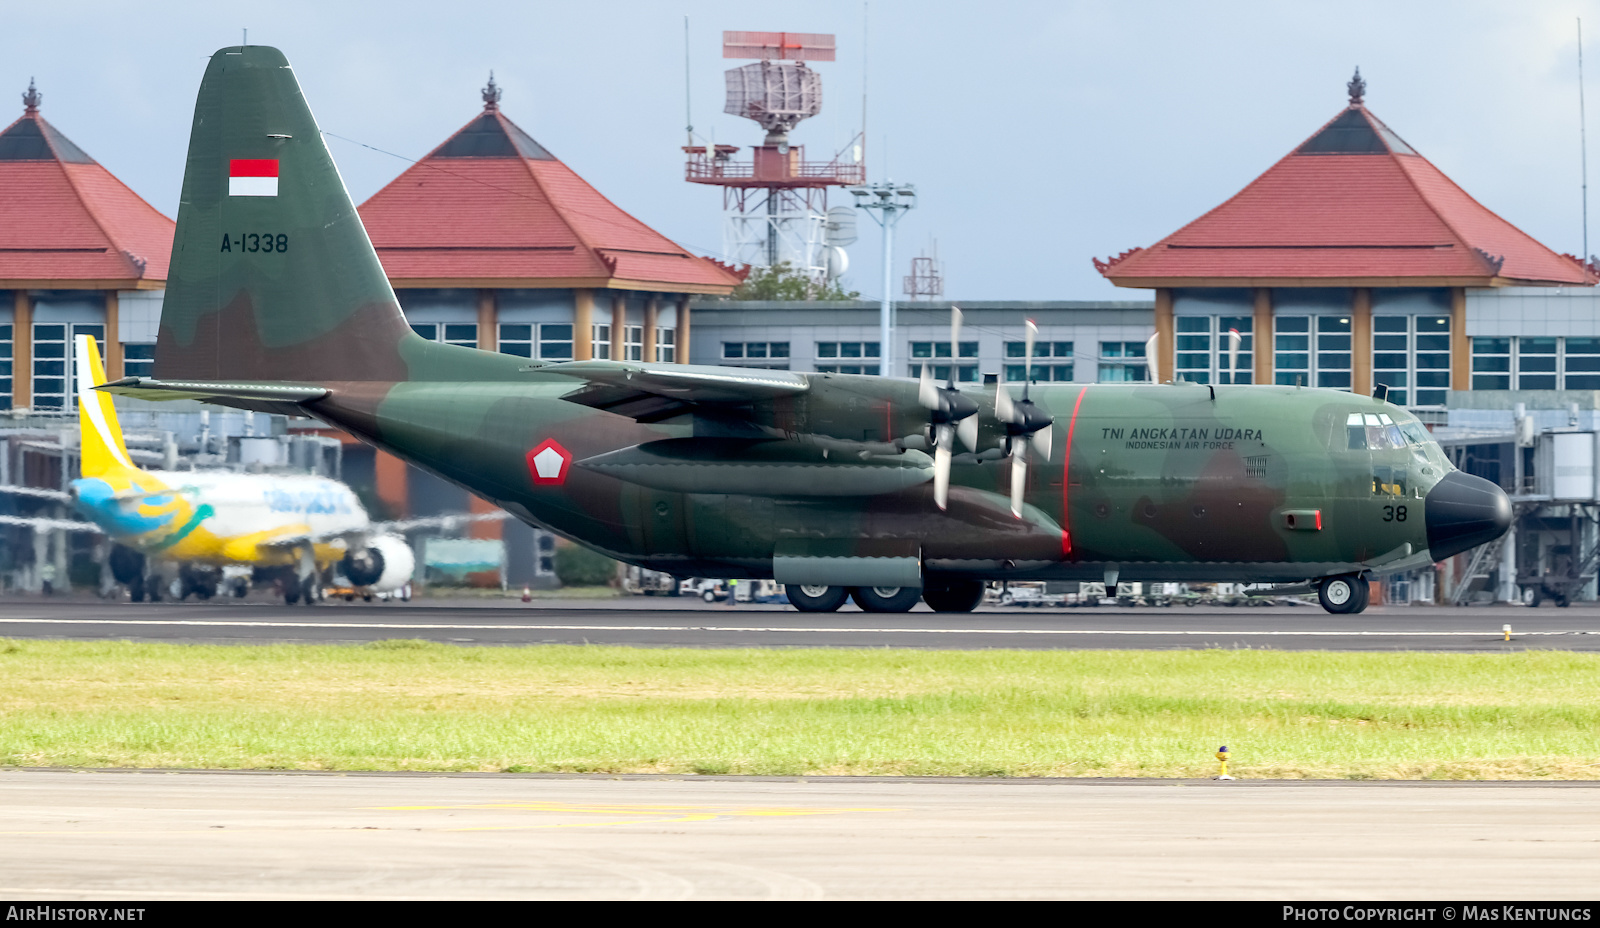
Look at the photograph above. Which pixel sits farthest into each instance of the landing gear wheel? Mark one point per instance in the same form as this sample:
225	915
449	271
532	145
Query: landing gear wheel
291	592
954	596
308	591
1343	595
136	589
886	598
816	598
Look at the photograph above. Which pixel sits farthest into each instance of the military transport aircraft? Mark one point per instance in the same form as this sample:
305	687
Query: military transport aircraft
833	484
291	529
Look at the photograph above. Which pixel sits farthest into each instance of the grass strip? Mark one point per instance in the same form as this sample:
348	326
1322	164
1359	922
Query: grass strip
411	705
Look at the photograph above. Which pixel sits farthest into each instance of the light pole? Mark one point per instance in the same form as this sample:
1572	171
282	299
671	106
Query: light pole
887	202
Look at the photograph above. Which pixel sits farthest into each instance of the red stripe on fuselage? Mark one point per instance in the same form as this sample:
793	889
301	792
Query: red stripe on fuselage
253	167
1066	481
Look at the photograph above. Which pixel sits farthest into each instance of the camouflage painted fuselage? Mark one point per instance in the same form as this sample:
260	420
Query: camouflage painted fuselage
1160	482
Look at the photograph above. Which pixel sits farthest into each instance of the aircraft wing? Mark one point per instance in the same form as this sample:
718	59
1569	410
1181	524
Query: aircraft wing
407	525
653	392
284	399
39	492
51	524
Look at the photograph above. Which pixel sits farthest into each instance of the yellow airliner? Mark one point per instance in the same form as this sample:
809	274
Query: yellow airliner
292	530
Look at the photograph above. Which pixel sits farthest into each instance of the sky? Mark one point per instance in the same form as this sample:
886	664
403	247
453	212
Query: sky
1039	135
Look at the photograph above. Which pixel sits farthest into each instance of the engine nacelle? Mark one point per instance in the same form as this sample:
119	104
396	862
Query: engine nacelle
384	565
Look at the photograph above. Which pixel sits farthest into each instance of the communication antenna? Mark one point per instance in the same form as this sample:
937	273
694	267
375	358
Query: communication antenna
865	8
776	204
688	116
1583	143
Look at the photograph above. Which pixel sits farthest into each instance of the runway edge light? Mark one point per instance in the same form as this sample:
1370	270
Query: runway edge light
1222	755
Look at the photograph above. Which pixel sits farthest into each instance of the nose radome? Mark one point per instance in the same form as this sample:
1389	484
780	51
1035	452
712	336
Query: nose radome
1463	512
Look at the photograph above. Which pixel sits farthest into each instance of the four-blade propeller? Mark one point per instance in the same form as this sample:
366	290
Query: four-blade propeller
950	412
952	415
1026	424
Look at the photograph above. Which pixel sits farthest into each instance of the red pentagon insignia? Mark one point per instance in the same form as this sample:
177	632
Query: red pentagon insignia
548	462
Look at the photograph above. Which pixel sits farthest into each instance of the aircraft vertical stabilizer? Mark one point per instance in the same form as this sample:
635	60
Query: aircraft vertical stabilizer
273	277
103	450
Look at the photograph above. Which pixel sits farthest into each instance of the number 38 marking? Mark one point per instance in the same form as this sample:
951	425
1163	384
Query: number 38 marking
1394	513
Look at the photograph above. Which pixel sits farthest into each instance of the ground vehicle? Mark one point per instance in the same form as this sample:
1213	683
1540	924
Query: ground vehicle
638	580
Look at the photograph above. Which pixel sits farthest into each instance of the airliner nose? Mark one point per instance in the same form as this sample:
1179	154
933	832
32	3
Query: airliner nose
1463	512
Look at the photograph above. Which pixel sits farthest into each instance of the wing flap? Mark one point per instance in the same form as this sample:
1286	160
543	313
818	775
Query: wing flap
660	390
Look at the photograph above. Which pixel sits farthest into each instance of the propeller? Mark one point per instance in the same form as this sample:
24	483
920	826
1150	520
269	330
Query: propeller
951	413
1234	338
1026	424
1150	357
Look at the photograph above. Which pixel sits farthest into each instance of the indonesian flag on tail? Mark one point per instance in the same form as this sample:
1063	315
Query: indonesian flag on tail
253	177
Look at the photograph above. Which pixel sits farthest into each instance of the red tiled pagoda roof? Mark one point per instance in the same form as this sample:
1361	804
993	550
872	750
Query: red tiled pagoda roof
1353	205
492	208
66	222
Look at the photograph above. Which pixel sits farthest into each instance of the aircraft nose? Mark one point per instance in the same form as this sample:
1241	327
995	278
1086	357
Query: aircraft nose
1463	512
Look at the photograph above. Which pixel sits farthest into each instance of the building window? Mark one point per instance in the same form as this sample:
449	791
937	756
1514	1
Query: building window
847	350
555	341
1582	367
49	365
1192	352
1333	352
736	351
515	338
464	334
942	349
549	341
1491	364
847	368
5	365
1042	373
1120	369
965	373
1536	364
633	343
53	372
138	360
1432	360
600	341
1291	351
666	345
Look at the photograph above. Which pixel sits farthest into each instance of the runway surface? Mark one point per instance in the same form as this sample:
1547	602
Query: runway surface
689	623
154	836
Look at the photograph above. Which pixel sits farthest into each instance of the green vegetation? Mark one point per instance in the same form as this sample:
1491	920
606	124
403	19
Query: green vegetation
579	566
783	282
411	705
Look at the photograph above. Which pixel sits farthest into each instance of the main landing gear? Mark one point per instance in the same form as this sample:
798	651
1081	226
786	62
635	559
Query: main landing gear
948	596
1345	594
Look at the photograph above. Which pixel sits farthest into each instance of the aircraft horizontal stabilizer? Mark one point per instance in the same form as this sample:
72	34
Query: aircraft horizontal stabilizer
283	398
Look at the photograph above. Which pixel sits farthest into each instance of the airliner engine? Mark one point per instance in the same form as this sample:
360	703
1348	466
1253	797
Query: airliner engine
385	564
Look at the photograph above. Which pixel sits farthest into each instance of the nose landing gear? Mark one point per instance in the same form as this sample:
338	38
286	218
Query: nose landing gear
1345	594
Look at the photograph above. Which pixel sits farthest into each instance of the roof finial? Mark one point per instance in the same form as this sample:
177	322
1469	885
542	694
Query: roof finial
31	99
491	96
1357	88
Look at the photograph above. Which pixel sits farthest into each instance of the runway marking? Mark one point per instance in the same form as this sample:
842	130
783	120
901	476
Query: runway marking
780	629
